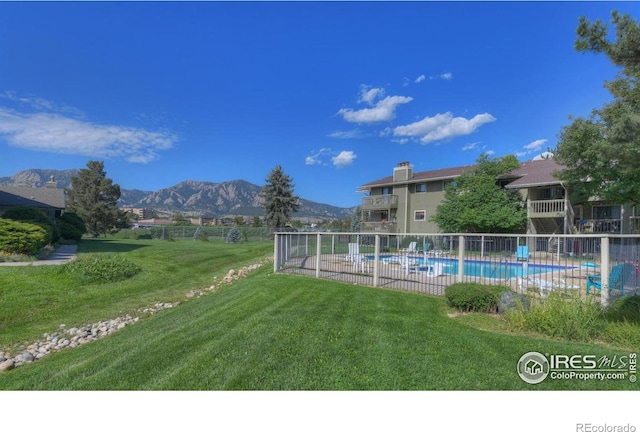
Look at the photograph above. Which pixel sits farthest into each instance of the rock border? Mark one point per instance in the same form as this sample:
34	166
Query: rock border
65	338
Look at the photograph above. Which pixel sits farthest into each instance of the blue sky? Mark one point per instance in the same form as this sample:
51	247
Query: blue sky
336	92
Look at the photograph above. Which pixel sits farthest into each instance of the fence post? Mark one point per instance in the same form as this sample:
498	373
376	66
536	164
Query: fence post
460	259
276	254
376	261
318	252
604	271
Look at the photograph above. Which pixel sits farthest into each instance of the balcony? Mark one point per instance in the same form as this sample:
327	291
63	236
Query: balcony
589	226
378	227
379	202
546	208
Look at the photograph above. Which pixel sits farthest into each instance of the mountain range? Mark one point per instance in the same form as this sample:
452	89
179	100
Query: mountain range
190	197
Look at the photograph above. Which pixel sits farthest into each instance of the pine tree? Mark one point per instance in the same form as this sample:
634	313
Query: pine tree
234	235
600	154
279	201
94	198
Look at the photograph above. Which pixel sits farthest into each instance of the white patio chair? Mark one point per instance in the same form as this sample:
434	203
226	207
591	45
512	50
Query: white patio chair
354	250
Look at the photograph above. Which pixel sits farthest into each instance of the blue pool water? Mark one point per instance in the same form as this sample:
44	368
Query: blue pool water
478	268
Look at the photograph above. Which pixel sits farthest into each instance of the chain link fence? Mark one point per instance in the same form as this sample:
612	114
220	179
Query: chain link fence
193	232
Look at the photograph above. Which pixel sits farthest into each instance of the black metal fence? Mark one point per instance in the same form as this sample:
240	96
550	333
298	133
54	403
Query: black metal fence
536	264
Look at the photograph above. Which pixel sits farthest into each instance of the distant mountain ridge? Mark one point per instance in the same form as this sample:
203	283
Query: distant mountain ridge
190	197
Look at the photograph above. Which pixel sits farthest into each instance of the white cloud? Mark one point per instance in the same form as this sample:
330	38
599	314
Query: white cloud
55	133
535	145
325	156
345	158
39	104
384	110
472	146
355	133
442	127
316	157
368	95
420	79
446	76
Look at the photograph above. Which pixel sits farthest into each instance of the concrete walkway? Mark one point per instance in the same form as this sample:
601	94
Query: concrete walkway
63	254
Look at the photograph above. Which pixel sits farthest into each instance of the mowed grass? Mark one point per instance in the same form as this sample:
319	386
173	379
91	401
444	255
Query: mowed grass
282	332
38	299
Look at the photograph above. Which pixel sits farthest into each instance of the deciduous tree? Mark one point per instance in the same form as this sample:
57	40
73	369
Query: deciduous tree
476	203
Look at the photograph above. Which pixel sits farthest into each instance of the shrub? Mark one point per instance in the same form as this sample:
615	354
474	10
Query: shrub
473	297
203	236
625	309
101	268
234	236
622	333
34	216
557	316
21	237
71	226
142	236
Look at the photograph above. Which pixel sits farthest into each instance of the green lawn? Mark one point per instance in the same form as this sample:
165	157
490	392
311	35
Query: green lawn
277	332
35	300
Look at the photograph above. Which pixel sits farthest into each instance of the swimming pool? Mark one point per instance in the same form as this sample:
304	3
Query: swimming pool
478	268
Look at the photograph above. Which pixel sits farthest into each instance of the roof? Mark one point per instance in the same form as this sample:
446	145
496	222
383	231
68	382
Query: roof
13	196
438	174
530	174
534	173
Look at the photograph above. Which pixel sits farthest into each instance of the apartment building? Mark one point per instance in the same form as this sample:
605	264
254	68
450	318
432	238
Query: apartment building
406	200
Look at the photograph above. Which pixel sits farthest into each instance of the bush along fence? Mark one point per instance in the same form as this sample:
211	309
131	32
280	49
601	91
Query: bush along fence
595	265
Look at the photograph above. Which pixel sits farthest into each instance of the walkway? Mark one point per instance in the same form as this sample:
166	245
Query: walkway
63	254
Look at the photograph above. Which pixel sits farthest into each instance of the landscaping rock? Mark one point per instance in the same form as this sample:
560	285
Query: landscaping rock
76	336
7	365
510	300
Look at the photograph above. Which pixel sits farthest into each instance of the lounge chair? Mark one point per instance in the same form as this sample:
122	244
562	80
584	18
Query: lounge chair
363	262
435	270
544	286
412	248
522	254
619	275
408	264
354	249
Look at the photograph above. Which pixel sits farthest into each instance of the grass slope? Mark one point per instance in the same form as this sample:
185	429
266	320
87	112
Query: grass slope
35	300
280	332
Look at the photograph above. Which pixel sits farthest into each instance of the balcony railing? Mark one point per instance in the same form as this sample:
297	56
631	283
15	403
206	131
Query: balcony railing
546	208
589	226
379	202
379	227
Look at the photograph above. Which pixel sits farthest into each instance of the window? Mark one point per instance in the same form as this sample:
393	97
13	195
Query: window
606	212
419	215
421	187
387	190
